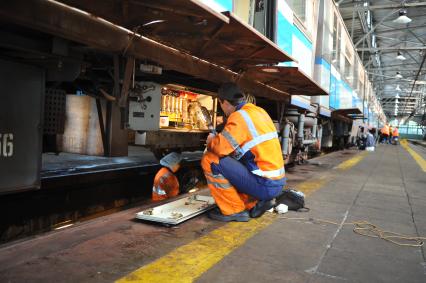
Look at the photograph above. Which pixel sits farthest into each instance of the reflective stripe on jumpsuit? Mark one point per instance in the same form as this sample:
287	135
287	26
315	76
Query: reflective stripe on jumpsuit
244	162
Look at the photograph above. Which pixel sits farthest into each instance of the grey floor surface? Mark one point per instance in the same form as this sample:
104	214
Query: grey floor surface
387	188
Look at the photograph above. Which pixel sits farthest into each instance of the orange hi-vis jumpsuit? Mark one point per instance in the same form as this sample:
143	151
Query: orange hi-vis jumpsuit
385	130
166	185
249	142
395	132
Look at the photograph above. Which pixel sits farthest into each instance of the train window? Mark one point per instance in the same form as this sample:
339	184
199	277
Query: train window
336	41
244	10
299	8
303	11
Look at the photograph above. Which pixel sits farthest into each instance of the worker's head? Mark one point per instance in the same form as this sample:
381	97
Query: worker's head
172	161
230	95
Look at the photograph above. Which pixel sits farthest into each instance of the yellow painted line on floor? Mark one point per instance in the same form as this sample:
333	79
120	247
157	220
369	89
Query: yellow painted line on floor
308	187
415	155
351	162
188	262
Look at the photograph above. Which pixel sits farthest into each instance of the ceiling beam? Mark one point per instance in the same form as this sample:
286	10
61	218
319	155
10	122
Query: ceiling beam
374	27
399	29
397	65
417	37
383	6
393	69
386	48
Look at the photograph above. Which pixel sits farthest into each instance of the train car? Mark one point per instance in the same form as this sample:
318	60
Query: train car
139	72
314	34
83	84
339	70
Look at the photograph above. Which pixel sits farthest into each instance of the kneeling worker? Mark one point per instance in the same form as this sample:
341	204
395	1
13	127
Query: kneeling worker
243	165
166	184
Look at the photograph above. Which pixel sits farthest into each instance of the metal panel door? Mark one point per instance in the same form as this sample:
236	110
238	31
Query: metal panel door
21	108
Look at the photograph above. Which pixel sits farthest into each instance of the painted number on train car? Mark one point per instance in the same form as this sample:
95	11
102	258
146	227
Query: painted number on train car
6	145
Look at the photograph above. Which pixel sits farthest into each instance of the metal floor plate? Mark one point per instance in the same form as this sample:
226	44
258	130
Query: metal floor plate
179	210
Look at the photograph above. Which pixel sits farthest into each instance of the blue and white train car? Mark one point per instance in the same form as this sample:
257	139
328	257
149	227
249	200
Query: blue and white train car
314	34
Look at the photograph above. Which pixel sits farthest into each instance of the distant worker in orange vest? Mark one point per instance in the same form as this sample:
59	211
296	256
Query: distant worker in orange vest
166	184
395	135
243	164
390	134
385	133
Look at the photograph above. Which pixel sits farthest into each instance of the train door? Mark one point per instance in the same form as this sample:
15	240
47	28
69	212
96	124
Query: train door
21	108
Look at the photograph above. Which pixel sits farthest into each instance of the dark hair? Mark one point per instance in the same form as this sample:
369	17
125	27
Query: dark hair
235	102
231	92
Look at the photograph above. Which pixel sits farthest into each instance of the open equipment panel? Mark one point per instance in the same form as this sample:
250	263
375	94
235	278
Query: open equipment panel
166	117
177	211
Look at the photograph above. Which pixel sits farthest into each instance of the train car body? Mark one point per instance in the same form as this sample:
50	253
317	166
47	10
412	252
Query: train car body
97	83
314	33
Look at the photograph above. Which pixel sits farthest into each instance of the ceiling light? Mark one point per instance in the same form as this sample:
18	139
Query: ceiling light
396	101
397	96
153	22
398	75
400	56
270	70
397	88
402	19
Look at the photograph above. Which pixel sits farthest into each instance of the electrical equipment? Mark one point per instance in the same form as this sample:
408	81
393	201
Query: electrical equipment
144	107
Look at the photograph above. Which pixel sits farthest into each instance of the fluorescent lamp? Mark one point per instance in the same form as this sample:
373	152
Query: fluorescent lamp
397	88
398	75
397	96
270	70
402	19
153	22
400	56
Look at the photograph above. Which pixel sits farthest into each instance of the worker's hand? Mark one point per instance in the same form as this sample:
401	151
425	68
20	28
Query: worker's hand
209	138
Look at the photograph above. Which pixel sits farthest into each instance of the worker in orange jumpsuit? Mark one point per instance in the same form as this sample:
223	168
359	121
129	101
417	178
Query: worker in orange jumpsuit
390	134
166	185
243	163
385	133
395	135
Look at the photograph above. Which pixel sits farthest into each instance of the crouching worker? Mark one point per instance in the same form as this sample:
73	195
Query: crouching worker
243	165
370	141
166	184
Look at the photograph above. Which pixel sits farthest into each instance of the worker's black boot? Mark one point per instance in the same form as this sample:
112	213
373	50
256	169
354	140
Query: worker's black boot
260	207
242	216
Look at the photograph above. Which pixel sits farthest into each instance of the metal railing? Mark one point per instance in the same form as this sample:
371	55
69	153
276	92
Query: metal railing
412	132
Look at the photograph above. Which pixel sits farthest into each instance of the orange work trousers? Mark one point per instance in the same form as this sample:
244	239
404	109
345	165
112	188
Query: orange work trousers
227	198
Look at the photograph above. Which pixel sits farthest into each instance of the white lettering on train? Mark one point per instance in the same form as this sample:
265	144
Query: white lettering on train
6	145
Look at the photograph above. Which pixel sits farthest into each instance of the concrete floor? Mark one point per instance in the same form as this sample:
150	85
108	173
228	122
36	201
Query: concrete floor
386	188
